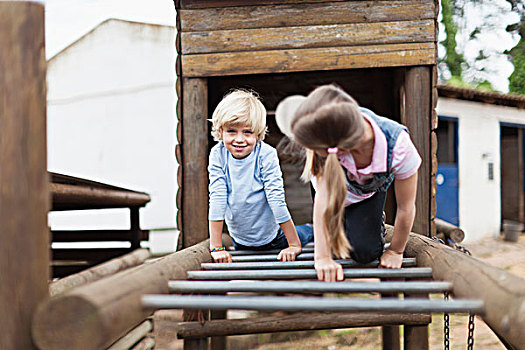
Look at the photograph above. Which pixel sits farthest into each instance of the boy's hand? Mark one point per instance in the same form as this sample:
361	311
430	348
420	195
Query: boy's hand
328	270
289	254
391	259
221	257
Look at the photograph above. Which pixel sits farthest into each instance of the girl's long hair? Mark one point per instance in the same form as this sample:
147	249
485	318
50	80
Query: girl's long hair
329	117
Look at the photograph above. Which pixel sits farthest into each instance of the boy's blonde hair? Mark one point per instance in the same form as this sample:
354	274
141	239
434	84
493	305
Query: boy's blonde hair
239	107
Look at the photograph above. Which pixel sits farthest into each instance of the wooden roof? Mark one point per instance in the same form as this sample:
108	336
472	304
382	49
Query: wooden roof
492	97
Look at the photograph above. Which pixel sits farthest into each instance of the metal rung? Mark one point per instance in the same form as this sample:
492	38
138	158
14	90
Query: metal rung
302	304
414	272
264	252
269	257
415	287
308	248
407	262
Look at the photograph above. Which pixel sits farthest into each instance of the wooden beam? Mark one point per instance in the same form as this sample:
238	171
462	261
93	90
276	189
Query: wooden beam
503	293
449	231
24	197
294	60
308	37
95	273
194	161
99	313
417	116
288	15
74	197
296	322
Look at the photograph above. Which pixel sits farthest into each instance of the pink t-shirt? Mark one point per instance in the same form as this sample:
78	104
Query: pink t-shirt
405	161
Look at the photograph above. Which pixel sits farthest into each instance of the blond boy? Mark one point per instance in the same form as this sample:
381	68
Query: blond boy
246	185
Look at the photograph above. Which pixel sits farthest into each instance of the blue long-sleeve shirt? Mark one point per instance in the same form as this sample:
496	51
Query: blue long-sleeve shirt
248	193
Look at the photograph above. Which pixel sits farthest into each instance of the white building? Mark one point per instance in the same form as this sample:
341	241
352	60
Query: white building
481	134
111	118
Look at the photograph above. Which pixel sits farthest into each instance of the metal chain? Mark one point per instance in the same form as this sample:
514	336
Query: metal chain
470	341
462	249
446	327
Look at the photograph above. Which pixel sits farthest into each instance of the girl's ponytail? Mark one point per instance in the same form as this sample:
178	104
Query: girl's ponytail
329	118
334	178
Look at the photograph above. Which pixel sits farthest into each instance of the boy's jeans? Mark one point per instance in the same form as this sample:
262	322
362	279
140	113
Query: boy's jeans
305	233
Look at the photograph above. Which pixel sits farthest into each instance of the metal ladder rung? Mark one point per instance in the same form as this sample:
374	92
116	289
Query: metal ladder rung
302	304
263	265
410	287
269	257
415	272
264	252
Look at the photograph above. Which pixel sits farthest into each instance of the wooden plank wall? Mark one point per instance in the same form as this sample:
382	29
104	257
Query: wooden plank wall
235	37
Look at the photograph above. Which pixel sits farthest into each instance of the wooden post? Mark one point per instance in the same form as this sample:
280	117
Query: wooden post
390	334
24	198
218	342
194	161
417	116
134	227
449	231
416	336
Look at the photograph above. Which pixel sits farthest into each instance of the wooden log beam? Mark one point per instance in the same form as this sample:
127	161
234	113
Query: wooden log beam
70	197
296	322
95	273
99	313
24	197
449	231
503	293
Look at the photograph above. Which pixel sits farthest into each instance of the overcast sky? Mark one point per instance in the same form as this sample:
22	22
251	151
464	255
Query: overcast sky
67	20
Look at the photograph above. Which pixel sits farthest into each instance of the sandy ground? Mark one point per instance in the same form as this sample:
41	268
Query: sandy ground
494	251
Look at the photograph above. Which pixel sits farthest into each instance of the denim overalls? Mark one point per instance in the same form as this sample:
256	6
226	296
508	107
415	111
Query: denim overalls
364	220
380	181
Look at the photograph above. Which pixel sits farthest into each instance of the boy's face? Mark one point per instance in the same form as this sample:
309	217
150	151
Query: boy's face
239	140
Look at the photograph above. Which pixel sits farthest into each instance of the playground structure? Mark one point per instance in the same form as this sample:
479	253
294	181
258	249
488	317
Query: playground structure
388	76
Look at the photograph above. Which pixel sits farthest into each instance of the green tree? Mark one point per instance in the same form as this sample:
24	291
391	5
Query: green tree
452	60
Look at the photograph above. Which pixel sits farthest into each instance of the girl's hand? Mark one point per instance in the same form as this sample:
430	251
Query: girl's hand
328	270
391	259
289	254
221	256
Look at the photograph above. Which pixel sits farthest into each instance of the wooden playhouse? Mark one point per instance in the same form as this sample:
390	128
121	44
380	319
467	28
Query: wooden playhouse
381	52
